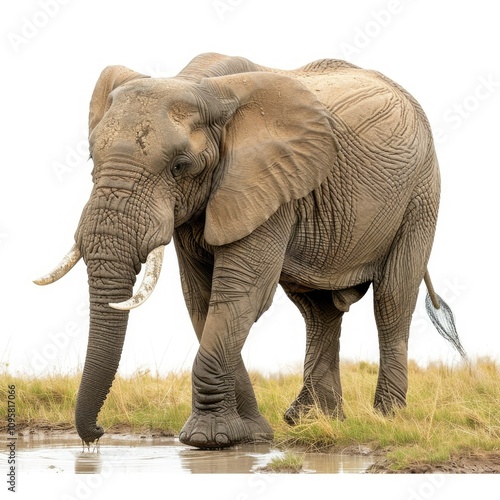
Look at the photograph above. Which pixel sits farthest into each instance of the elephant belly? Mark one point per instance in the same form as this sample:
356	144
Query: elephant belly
300	278
339	240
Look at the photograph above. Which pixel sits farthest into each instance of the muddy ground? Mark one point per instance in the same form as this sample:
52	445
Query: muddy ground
472	463
486	463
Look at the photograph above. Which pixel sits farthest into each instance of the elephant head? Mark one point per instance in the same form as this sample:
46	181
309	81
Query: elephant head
230	148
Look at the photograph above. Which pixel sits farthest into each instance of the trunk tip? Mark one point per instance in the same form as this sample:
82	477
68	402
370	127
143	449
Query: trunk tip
91	436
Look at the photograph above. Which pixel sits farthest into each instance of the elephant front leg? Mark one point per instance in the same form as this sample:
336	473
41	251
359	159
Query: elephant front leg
224	408
221	415
224	412
196	280
259	429
214	421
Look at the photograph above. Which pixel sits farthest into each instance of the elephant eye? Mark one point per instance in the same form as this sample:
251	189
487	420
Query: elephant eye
179	166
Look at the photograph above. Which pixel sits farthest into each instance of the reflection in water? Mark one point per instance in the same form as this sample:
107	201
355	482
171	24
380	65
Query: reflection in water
88	463
327	463
167	456
240	459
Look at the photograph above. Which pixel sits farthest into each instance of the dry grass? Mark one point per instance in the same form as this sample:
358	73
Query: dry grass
142	402
450	409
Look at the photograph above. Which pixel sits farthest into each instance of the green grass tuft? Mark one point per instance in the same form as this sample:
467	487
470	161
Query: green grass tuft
289	463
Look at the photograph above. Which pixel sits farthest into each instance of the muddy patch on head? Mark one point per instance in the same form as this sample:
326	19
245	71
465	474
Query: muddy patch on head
141	135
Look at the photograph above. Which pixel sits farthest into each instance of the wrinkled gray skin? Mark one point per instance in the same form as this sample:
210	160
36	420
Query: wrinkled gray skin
323	179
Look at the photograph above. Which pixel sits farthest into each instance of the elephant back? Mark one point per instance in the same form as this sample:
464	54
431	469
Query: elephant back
366	108
324	66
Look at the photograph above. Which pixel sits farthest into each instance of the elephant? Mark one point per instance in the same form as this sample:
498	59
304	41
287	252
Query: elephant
322	179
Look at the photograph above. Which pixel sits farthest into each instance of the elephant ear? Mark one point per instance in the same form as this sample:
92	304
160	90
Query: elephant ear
211	64
110	78
277	145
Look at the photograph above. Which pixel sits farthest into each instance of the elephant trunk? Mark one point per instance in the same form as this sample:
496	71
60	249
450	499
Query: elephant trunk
113	244
106	338
105	344
109	309
120	228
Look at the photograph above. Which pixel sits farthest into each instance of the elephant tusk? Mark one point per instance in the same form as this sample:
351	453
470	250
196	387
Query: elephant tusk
151	275
68	262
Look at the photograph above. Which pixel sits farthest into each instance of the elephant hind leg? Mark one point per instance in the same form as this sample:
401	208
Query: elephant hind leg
322	386
395	296
393	310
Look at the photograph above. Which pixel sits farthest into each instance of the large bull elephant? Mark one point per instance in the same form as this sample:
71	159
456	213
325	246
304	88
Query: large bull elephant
322	179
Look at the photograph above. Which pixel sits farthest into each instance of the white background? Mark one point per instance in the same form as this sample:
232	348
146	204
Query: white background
52	51
445	53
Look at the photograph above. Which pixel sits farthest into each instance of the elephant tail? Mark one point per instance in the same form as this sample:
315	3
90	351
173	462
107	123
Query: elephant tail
442	317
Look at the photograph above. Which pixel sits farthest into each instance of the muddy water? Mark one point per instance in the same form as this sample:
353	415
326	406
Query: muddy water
165	455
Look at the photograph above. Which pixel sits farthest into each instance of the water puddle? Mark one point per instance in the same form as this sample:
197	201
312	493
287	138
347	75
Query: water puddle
165	455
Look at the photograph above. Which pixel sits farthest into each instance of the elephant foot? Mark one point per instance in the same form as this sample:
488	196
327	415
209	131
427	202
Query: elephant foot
214	430
259	429
295	413
388	406
306	402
